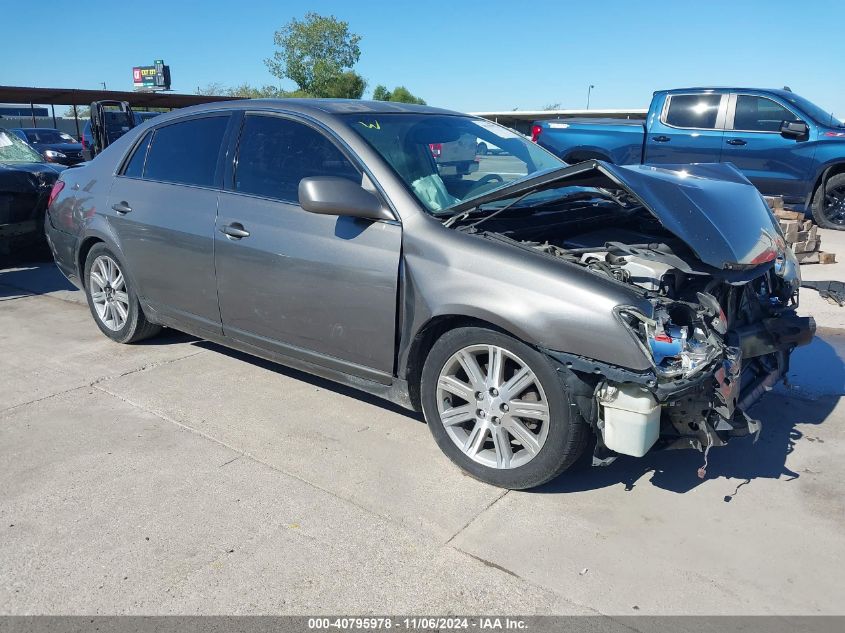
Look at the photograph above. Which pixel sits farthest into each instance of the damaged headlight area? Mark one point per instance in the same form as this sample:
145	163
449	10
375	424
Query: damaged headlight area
680	339
713	354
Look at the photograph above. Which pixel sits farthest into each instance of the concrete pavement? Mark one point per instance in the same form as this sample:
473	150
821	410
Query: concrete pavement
176	476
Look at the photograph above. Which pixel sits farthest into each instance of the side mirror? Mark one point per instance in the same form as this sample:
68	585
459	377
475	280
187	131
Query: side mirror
797	130
330	195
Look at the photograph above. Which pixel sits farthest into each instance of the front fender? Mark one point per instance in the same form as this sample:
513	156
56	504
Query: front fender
544	302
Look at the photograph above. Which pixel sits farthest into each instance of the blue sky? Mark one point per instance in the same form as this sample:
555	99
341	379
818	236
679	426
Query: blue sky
466	55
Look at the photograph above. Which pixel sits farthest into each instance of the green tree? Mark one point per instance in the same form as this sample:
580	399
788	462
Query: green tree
381	93
399	93
348	85
243	90
212	89
314	52
83	112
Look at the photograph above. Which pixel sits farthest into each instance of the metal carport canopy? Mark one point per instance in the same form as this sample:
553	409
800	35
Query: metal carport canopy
73	96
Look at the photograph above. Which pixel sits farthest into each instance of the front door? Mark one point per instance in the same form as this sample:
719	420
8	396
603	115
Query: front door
776	165
321	288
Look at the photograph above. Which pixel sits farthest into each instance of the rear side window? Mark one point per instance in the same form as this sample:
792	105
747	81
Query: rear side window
275	154
135	166
693	111
186	153
759	114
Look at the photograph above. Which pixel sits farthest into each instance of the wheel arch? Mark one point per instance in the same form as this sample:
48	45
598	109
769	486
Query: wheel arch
823	176
427	335
95	236
85	247
580	155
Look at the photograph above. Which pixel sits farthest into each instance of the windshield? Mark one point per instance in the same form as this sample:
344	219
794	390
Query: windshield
48	136
440	158
14	150
819	115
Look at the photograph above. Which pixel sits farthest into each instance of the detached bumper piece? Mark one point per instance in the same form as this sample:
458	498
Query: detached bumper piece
832	291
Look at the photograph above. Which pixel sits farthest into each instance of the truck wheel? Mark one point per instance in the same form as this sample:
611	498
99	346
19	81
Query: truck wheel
499	410
829	203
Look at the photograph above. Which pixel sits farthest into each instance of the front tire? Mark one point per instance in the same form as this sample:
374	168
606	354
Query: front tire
498	409
112	300
829	203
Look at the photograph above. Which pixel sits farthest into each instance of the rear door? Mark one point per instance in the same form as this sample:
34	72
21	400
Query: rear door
776	165
163	208
321	288
689	129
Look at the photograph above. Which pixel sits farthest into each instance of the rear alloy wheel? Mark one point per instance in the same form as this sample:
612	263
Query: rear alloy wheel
108	293
829	203
497	408
113	304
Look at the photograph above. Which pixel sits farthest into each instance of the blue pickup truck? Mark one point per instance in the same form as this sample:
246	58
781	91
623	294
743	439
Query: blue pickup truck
784	144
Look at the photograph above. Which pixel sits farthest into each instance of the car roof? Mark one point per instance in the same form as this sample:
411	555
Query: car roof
36	129
328	106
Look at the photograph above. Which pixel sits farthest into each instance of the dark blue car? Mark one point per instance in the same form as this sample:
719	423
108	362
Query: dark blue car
784	144
54	145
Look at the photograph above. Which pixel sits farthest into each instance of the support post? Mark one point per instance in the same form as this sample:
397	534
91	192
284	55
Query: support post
76	120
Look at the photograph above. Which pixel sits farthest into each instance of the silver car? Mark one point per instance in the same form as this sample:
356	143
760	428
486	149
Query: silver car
528	308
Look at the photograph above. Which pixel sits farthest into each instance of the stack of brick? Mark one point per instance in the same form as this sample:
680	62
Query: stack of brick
801	235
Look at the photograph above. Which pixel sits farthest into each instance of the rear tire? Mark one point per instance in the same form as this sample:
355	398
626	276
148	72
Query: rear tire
829	203
484	434
112	300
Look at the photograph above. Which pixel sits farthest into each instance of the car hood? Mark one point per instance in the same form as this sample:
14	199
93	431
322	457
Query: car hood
713	208
28	177
32	168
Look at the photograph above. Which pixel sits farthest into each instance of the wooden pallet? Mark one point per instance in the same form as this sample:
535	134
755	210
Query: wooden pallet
802	235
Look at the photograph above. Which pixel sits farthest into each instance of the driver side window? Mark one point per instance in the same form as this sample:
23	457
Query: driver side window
759	114
274	154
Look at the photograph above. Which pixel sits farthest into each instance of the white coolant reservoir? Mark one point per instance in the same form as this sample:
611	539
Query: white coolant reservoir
631	419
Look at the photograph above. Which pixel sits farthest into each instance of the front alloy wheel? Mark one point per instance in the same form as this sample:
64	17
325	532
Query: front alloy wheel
499	410
493	406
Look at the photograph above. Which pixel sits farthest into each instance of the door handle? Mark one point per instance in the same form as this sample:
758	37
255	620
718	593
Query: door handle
235	230
122	207
661	139
736	141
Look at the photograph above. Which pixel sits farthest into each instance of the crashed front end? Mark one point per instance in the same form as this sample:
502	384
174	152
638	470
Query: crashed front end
713	355
699	244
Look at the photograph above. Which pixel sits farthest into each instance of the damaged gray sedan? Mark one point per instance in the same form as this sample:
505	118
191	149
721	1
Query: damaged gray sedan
524	305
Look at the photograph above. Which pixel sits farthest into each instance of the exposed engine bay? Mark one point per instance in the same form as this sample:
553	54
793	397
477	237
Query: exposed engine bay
717	338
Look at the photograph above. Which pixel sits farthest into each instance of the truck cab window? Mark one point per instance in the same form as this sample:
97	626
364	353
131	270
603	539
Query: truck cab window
693	111
759	114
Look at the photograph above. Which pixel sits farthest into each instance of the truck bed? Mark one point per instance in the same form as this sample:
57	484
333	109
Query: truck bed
618	141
